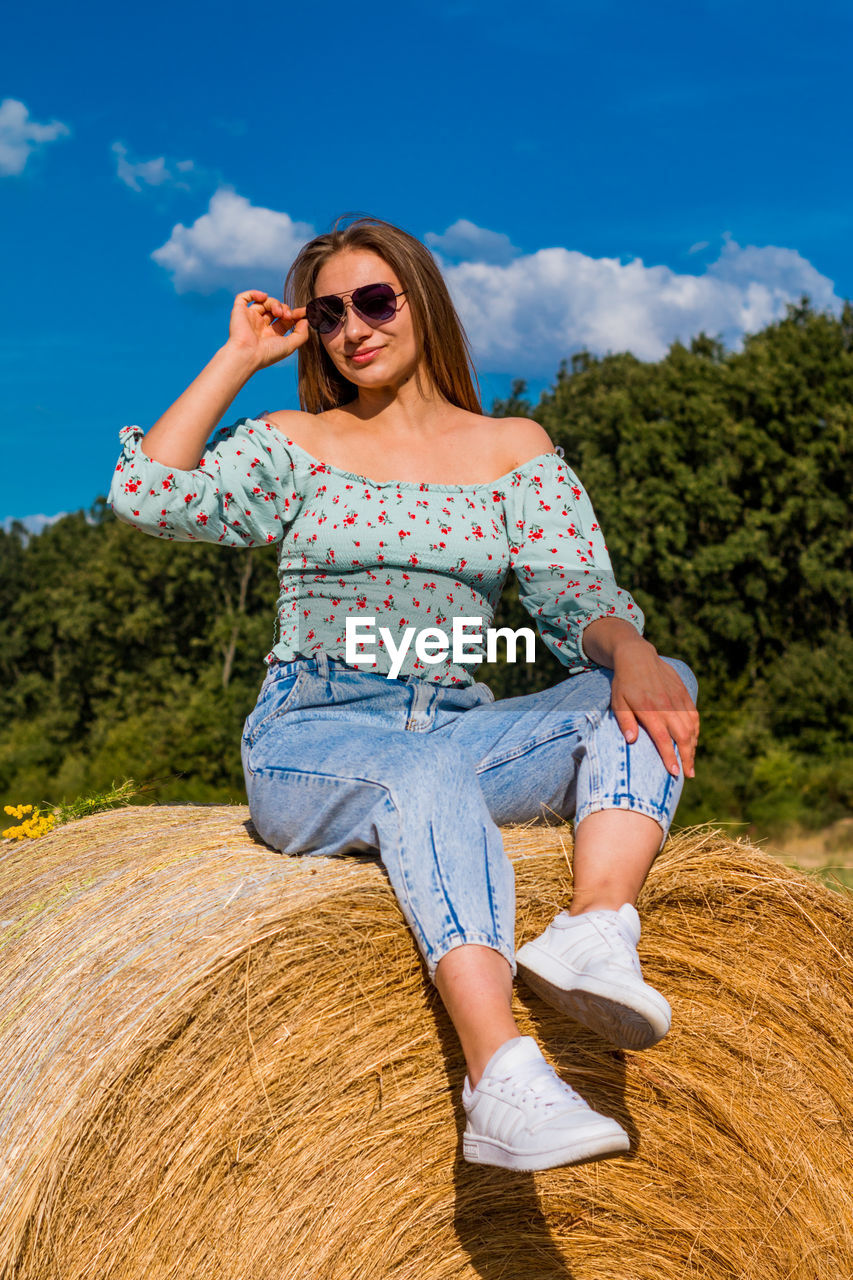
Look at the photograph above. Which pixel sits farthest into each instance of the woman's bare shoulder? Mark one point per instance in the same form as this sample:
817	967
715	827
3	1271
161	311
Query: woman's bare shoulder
296	424
525	439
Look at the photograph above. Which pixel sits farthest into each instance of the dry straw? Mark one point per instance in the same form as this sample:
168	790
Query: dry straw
218	1063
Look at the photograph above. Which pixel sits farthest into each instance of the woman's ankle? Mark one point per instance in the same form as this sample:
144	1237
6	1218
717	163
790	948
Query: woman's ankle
480	1058
600	900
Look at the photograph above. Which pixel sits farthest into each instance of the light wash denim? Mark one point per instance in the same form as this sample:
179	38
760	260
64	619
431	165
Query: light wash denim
341	760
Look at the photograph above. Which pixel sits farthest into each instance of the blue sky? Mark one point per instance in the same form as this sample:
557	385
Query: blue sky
605	174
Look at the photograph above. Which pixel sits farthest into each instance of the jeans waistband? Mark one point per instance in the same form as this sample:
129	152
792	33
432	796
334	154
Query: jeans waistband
322	665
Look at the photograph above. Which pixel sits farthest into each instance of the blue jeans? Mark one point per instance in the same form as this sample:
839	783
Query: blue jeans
341	760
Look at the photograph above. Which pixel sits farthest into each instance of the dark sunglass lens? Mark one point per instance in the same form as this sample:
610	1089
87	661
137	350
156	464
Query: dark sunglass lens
376	302
324	314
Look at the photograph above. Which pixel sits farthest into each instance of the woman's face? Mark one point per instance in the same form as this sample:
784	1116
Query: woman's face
396	349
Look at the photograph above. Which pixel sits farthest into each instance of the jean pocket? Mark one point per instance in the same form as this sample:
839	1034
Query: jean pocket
276	700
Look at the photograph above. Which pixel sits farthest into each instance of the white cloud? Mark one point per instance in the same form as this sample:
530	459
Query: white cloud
154	173
528	312
32	525
532	312
700	244
235	245
19	135
466	240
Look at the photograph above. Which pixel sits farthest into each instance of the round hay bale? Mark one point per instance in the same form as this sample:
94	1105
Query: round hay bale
219	1062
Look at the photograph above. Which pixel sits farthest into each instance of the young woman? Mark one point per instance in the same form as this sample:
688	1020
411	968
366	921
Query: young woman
400	508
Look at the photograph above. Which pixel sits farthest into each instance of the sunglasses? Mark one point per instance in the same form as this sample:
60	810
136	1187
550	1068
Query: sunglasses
375	303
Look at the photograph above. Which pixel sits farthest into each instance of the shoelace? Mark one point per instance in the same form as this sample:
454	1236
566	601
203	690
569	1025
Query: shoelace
619	942
528	1082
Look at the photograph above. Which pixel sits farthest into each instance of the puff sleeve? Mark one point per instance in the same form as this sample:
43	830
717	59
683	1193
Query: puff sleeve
242	492
557	551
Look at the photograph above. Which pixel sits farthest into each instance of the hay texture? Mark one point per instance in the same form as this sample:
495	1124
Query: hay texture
218	1062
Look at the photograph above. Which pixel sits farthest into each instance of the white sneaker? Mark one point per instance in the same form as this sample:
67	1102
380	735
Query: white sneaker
587	966
523	1116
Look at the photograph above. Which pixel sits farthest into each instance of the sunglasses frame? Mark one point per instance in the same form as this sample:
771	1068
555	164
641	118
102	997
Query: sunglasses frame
350	293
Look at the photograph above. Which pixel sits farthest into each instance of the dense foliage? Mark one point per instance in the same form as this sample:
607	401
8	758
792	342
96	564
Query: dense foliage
721	480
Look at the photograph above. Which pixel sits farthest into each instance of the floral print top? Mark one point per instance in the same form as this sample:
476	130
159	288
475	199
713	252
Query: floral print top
405	554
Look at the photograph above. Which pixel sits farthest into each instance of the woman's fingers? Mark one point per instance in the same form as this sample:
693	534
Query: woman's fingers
682	731
684	722
666	712
302	331
670	729
656	726
625	717
282	337
258	301
292	318
267	326
249	297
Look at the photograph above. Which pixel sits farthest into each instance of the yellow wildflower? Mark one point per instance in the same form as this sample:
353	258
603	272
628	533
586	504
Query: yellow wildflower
30	829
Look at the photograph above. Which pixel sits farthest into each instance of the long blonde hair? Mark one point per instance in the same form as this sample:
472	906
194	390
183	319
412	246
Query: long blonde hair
437	326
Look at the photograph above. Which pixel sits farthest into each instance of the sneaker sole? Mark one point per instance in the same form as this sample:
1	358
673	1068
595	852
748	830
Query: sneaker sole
481	1150
621	1024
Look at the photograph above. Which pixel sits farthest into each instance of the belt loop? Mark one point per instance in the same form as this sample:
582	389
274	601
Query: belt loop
322	664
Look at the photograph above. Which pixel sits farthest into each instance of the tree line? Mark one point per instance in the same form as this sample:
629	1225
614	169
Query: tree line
721	480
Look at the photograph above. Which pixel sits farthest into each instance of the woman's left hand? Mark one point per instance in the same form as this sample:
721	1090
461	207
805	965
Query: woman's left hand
647	691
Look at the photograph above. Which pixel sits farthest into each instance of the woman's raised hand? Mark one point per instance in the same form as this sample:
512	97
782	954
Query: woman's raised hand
265	327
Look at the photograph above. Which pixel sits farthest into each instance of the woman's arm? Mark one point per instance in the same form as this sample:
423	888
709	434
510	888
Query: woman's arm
254	342
240	490
645	689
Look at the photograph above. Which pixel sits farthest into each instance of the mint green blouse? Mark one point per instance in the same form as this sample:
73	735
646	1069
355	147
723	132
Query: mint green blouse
404	553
